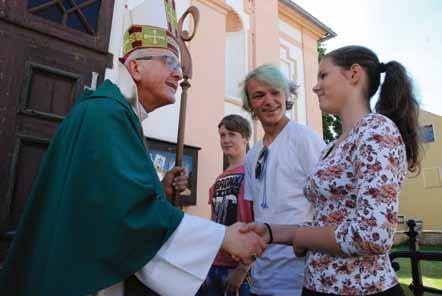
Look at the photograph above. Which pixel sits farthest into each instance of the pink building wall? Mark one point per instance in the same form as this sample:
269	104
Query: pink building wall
266	45
309	46
207	100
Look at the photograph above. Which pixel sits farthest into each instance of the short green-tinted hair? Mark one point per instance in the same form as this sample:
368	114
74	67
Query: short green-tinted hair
236	123
270	75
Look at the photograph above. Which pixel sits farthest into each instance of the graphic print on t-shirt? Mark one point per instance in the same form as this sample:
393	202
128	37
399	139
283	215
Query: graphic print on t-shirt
225	198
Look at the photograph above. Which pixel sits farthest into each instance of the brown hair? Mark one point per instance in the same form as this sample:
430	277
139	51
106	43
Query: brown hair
236	123
396	98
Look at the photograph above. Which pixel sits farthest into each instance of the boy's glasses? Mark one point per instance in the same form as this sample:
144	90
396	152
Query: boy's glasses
261	162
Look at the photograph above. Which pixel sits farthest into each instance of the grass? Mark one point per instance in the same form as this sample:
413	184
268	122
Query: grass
431	270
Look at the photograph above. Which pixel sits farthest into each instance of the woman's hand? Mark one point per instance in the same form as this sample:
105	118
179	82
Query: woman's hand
259	229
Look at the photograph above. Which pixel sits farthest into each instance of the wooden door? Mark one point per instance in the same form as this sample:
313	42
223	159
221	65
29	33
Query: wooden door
50	50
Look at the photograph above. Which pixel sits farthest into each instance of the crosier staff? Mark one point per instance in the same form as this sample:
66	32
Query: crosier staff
186	63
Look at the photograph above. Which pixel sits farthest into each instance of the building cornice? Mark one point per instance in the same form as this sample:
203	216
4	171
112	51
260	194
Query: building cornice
296	13
218	5
290	39
236	102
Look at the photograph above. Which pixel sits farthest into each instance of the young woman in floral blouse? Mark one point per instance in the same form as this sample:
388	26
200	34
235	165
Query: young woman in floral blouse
355	186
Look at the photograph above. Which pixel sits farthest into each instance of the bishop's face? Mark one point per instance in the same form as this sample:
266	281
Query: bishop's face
158	74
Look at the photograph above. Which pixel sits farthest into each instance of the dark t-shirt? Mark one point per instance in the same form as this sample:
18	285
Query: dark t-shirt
228	205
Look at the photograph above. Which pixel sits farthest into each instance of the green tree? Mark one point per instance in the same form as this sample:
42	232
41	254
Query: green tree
321	51
331	124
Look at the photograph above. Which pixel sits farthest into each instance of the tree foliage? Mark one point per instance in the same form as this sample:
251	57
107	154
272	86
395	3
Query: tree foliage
331	124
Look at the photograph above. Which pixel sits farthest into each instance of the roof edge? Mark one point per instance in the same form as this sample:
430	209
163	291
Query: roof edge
329	32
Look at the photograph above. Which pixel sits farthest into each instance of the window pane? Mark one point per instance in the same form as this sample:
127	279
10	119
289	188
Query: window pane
34	3
67	4
56	12
91	14
74	23
53	13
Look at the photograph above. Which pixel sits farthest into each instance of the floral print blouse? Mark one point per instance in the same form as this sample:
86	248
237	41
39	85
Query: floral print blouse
356	188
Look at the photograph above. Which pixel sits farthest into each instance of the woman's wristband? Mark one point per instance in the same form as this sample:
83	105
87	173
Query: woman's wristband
270	233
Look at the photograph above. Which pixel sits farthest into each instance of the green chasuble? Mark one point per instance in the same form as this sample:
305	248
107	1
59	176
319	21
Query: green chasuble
97	212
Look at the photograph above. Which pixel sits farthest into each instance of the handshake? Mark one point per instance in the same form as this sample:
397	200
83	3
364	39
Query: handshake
246	241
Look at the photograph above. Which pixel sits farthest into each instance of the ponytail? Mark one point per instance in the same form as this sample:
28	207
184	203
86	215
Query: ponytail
397	102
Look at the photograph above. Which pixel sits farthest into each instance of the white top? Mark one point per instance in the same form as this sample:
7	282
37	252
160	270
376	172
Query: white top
182	263
278	198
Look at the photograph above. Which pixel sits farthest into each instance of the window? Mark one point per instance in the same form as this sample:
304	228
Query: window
287	66
427	133
81	15
236	55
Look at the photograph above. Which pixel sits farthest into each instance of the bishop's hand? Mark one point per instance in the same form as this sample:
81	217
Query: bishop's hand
175	179
245	246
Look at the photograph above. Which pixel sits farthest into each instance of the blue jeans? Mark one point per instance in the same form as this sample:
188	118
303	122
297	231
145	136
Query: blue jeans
215	283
